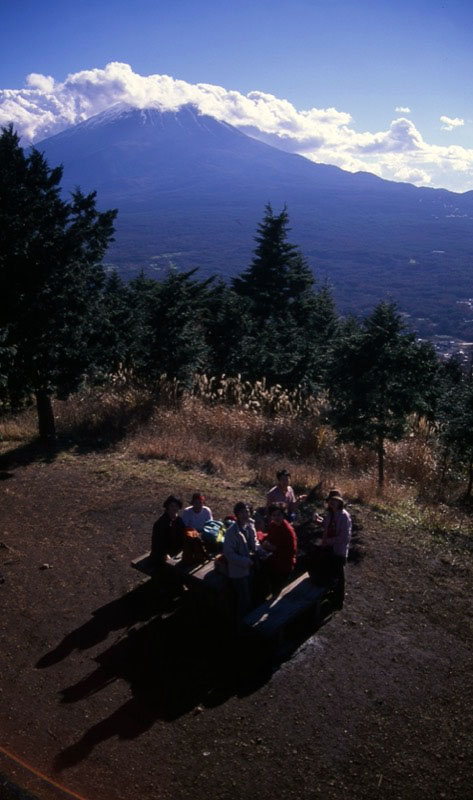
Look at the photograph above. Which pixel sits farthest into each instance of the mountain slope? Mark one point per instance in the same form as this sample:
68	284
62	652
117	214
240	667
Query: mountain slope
191	189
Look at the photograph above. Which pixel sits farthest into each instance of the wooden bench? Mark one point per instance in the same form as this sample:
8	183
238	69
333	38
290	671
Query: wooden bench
145	565
272	617
194	575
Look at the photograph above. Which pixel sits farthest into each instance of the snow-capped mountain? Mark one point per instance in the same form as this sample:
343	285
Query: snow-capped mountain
191	189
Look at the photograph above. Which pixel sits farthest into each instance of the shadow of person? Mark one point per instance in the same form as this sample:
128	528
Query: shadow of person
127	722
173	665
137	605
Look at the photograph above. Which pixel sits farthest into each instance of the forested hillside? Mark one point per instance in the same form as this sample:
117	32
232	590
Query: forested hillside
65	325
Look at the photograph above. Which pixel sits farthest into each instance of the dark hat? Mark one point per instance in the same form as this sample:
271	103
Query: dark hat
334	494
283	472
172	499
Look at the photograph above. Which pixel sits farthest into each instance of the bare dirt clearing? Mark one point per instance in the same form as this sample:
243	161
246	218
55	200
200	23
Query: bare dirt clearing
115	698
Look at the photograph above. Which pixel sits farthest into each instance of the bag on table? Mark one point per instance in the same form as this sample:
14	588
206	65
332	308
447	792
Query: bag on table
213	534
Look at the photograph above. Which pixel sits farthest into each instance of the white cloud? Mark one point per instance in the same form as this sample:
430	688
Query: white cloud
326	135
412	175
449	123
43	82
403	109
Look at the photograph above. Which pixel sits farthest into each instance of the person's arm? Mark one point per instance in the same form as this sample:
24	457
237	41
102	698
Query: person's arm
185	516
253	538
295	503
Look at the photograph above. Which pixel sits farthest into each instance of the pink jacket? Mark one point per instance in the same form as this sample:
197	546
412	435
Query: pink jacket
341	541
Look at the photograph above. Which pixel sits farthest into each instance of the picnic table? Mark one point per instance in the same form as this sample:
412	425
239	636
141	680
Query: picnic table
269	619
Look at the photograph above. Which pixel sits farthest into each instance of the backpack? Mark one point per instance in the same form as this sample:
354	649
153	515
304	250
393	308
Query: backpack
193	550
213	534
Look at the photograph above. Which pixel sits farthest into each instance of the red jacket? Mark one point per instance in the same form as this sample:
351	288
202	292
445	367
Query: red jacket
283	538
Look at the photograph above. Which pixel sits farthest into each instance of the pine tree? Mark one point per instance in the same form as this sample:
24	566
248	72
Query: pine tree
455	416
378	376
116	335
291	324
227	324
169	326
50	278
278	274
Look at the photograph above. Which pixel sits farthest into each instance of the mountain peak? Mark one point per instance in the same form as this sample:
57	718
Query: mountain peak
123	118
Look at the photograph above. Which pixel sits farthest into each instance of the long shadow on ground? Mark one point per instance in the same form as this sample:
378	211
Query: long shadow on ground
174	662
136	606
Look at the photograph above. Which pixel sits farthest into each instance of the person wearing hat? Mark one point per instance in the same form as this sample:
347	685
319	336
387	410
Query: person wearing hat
283	493
168	532
196	515
336	525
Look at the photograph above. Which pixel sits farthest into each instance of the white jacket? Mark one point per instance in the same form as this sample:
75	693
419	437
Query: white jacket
236	549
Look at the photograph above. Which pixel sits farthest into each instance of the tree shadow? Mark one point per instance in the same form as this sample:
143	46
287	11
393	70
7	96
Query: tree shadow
83	437
25	454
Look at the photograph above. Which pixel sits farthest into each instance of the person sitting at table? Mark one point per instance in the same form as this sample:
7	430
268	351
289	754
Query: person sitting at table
281	542
168	532
196	515
283	493
239	544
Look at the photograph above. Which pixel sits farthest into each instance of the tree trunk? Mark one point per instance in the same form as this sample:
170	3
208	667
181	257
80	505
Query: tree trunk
380	452
46	423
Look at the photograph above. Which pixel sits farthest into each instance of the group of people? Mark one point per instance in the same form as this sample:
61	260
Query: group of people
271	550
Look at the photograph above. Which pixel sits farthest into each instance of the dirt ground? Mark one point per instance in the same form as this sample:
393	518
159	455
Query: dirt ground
111	697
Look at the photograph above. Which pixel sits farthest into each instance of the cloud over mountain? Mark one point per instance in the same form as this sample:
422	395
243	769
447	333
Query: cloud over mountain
325	135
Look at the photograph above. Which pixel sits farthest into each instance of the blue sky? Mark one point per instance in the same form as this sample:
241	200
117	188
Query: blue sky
362	58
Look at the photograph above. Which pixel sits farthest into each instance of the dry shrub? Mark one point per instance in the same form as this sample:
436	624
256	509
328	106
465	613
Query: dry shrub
257	397
412	460
19	427
226	424
197	435
105	415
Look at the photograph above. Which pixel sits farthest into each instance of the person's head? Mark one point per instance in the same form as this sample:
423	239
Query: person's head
283	477
242	512
335	500
197	501
172	505
275	514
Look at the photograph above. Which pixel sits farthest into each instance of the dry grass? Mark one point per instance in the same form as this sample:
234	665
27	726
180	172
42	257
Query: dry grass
226	425
19	427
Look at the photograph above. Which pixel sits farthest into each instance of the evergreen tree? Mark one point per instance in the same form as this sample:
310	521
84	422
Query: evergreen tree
169	326
291	324
227	324
50	278
117	336
455	415
378	376
278	274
